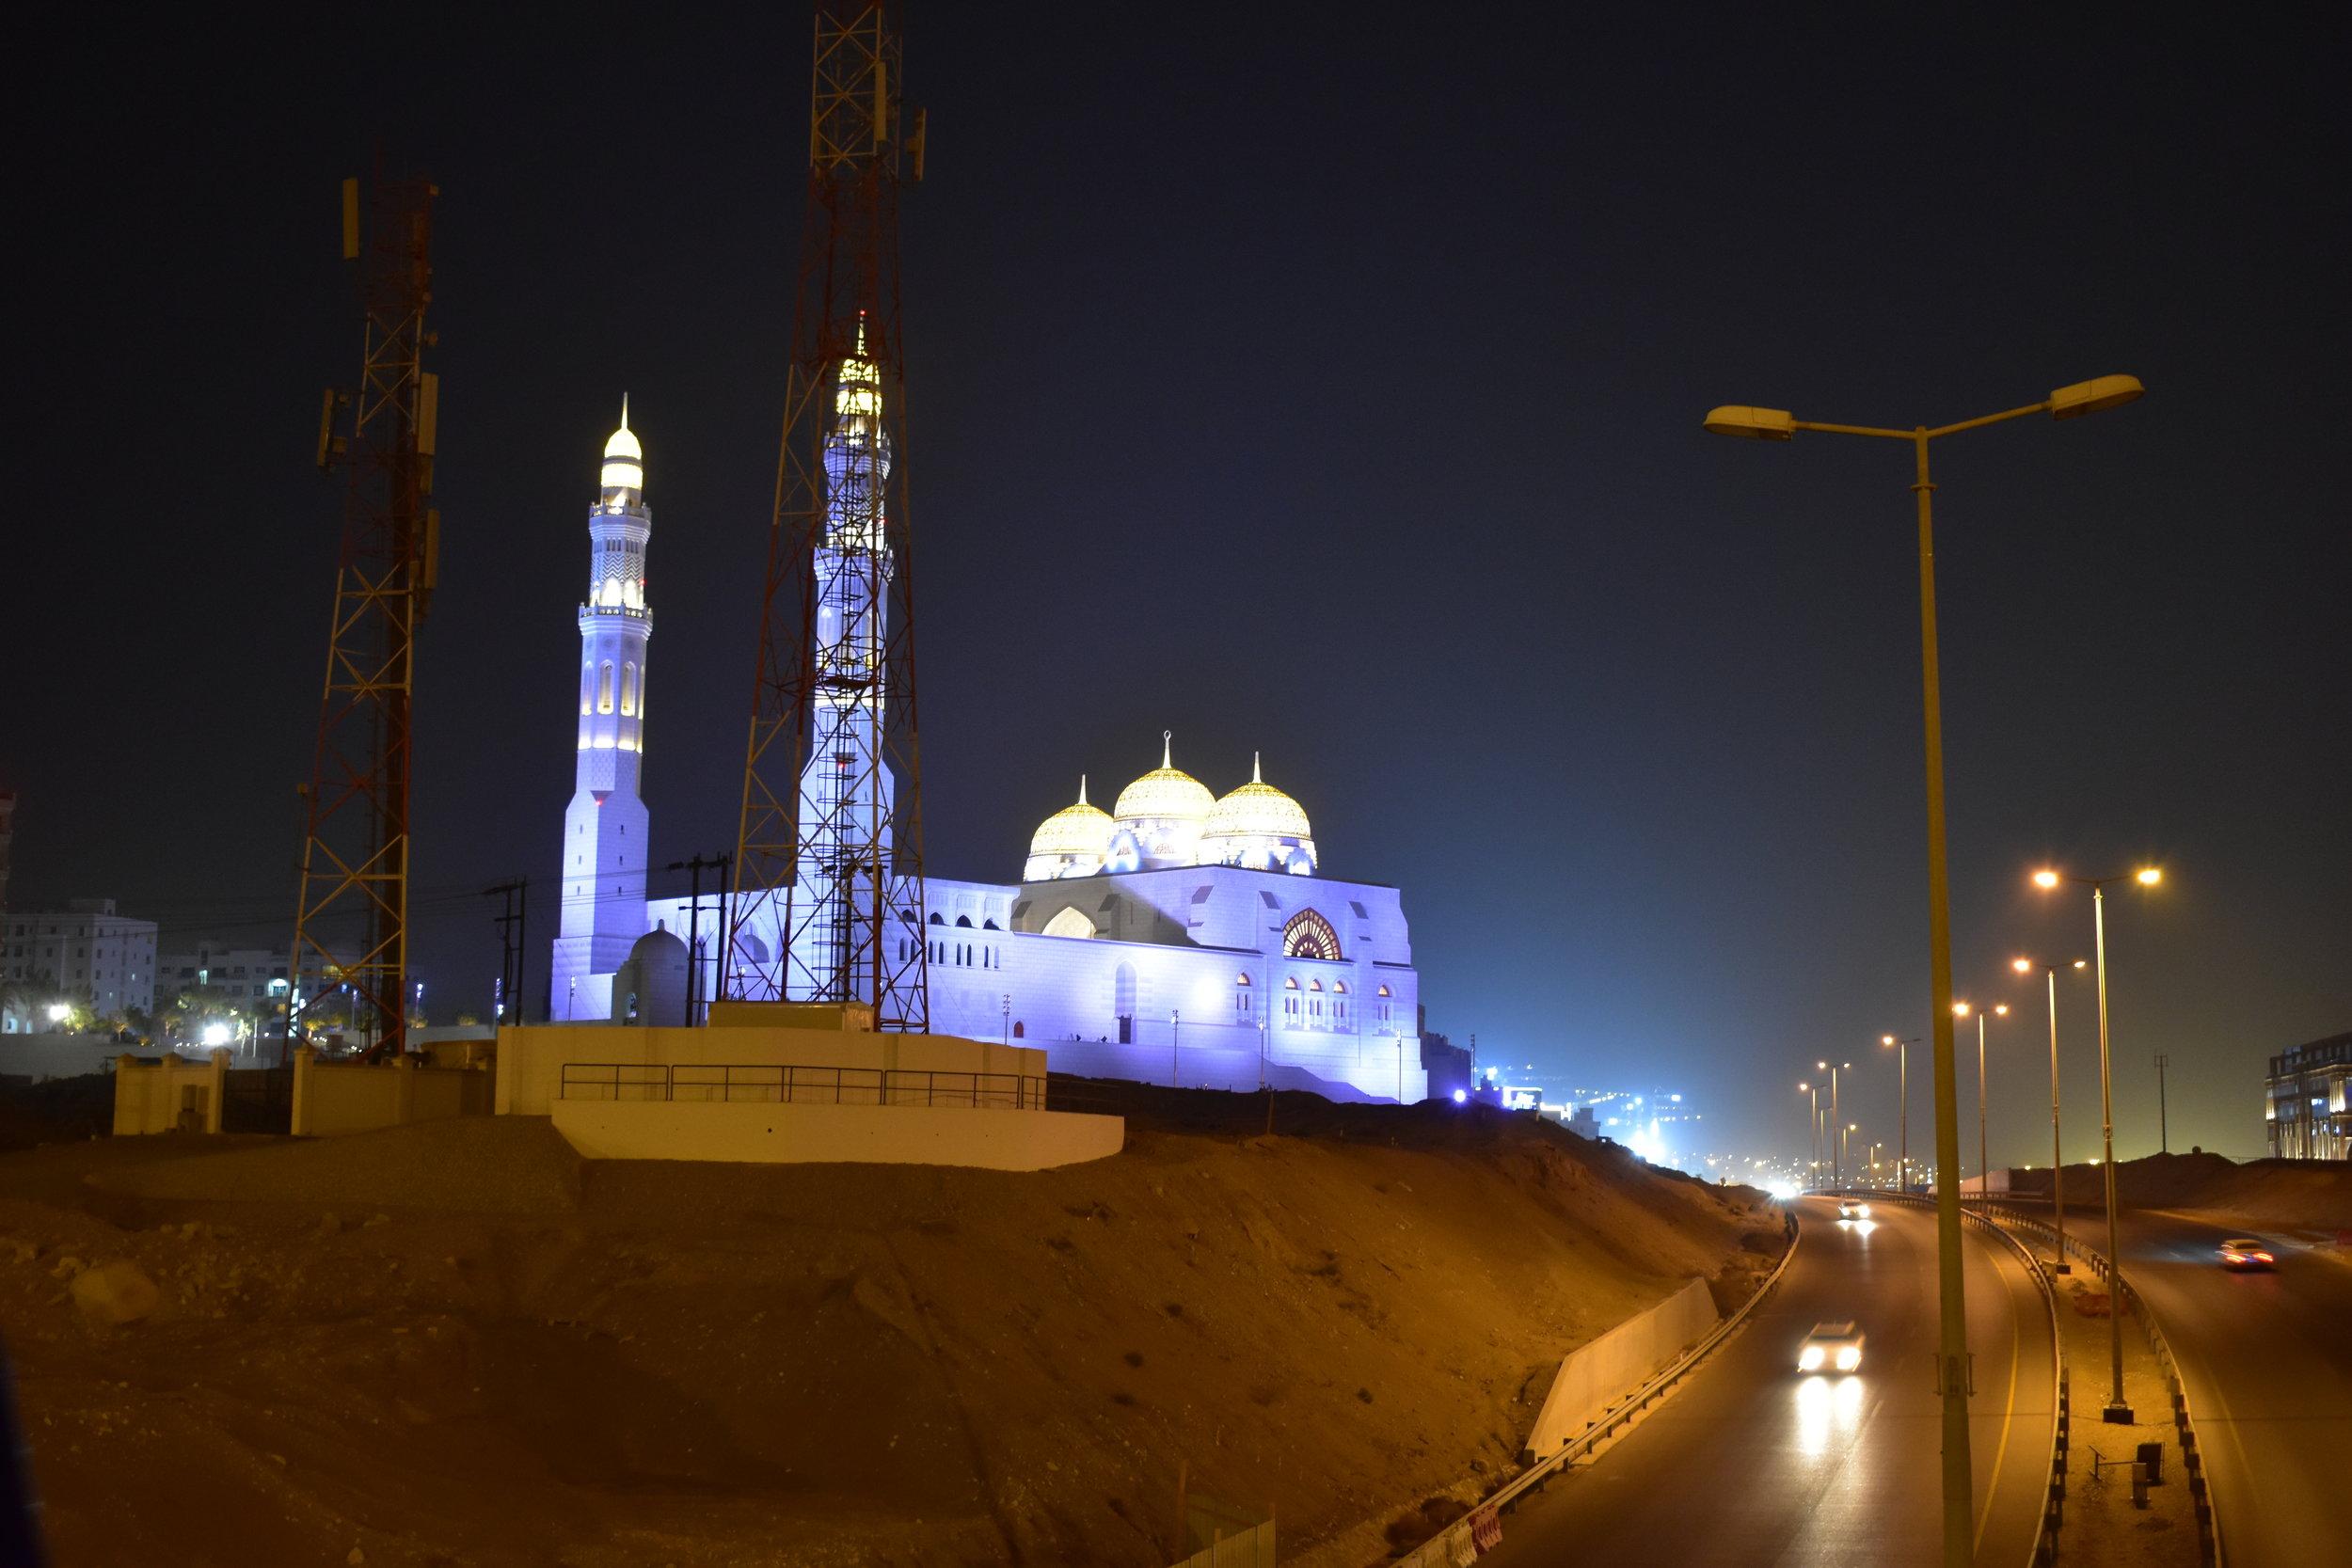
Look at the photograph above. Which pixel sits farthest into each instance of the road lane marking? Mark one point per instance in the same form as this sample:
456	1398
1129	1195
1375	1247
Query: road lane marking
2009	1415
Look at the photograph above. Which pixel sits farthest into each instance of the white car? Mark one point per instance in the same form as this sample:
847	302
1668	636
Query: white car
1852	1209
1831	1347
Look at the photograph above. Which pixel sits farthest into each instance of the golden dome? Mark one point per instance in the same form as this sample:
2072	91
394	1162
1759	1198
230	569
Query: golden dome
1081	829
1167	791
1257	810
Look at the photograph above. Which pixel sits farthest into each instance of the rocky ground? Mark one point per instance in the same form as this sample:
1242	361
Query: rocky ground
457	1343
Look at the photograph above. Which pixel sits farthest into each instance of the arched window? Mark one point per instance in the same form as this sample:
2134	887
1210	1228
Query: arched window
1070	923
628	689
1290	982
1309	935
1339	986
1314	984
1384	991
604	686
938	919
587	689
964	921
1241	979
990	926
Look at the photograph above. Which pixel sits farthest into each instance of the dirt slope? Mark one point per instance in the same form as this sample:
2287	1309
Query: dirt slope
494	1353
2295	1194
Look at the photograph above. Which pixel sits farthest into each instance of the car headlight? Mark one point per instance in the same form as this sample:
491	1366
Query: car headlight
1849	1358
1809	1359
1862	1210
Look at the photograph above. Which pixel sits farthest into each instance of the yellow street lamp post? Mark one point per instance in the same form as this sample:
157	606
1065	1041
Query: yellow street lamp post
1813	1120
2058	1151
2117	1410
1836	1161
1777	424
1984	1162
1902	1091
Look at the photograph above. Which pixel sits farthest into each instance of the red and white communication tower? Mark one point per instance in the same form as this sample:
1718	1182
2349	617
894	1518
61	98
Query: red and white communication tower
829	862
351	925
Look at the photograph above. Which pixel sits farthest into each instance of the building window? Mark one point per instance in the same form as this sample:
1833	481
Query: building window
604	686
628	689
1309	935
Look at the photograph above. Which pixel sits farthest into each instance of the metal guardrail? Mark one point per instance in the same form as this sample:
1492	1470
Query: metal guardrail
2044	1549
786	1085
1481	1527
2176	1388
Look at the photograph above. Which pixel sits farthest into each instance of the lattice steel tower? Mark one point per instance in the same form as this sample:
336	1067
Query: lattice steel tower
351	922
830	858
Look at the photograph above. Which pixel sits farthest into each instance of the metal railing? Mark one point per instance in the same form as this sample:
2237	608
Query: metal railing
2121	1298
787	1084
1481	1527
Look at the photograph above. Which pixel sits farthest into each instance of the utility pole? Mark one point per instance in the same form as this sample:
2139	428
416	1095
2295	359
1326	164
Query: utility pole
514	934
2164	1137
354	892
694	868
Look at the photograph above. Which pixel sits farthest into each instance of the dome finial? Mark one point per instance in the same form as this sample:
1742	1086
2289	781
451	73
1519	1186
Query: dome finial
1082	789
624	410
1167	740
1255	777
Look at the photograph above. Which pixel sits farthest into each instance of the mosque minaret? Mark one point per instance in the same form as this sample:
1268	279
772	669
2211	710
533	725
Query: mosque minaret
845	793
605	846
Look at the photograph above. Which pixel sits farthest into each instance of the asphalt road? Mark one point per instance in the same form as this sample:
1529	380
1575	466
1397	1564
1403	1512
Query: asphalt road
2267	1361
1750	1462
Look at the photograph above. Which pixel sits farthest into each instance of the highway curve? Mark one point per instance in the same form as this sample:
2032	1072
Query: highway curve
1750	1462
2267	1360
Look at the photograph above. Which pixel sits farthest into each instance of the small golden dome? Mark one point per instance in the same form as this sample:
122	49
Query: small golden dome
1166	792
1257	811
1081	829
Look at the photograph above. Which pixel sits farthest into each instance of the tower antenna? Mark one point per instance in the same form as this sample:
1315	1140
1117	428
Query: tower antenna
828	859
351	920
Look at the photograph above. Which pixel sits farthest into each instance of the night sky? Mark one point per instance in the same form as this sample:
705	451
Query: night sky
1325	381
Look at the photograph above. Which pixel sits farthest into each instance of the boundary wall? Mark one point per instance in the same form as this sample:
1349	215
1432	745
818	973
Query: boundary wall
168	1095
531	1059
336	1098
1592	1376
775	1133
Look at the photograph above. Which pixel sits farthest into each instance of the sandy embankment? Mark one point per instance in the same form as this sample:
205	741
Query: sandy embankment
457	1343
2290	1195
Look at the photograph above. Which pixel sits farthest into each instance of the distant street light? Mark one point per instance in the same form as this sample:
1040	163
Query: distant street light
1813	1171
2106	391
2117	1410
1984	1163
1902	1078
2058	1151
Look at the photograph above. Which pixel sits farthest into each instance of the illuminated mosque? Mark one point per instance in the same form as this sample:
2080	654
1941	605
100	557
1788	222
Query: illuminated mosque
1181	937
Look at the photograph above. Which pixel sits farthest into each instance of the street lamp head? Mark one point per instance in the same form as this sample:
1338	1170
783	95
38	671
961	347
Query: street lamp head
1821	1066
2045	878
2150	877
2082	963
1762	424
2091	397
2001	1009
1804	1088
2022	966
1960	1009
1886	1039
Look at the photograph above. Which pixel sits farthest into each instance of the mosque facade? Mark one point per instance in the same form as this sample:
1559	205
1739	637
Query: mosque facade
1181	937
